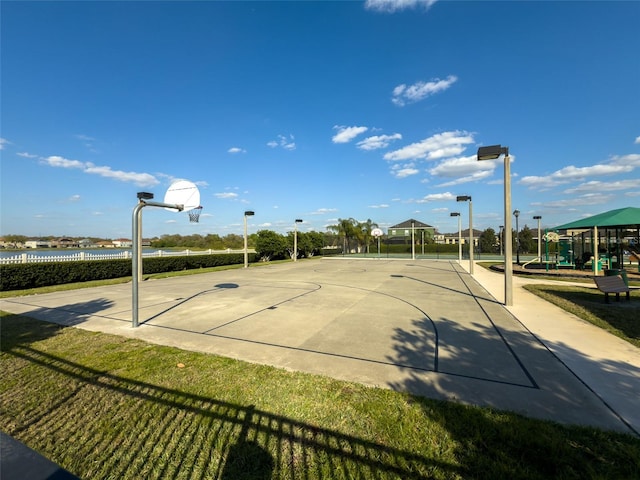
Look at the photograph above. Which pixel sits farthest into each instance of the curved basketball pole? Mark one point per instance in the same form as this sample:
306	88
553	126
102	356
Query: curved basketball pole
136	253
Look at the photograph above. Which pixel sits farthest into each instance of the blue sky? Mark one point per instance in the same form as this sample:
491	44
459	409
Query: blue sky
315	110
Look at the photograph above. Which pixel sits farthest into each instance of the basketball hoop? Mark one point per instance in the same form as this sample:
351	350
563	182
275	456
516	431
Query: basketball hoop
194	214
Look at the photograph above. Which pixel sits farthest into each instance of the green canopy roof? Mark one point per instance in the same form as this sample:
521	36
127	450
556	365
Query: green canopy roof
622	218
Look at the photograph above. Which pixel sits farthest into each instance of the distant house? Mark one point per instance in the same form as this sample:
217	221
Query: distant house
122	243
452	238
37	244
402	232
65	243
86	243
104	244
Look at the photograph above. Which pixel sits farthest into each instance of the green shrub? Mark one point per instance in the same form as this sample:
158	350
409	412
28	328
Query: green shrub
33	275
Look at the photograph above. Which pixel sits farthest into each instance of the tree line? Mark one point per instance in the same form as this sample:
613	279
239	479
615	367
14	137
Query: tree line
347	234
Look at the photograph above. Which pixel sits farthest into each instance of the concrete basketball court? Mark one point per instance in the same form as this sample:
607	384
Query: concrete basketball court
422	326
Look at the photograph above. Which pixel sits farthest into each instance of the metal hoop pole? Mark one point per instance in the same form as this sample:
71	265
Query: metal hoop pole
136	251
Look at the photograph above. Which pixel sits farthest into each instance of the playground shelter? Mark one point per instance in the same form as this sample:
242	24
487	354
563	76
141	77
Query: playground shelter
599	238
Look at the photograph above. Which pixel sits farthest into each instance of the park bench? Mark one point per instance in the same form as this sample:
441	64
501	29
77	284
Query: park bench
612	284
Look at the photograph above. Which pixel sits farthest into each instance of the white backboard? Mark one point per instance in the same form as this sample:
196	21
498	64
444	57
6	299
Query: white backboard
183	192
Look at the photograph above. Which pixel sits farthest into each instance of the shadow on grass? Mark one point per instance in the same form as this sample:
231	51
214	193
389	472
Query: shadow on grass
498	444
98	424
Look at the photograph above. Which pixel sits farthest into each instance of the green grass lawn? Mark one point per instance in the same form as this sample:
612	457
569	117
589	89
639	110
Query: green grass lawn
108	407
619	318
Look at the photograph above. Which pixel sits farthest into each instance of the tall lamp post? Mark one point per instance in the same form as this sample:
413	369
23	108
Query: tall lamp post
538	217
467	198
295	239
493	152
413	242
457	214
248	213
500	240
516	213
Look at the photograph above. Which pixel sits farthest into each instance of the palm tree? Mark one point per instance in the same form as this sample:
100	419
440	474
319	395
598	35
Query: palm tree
347	229
364	232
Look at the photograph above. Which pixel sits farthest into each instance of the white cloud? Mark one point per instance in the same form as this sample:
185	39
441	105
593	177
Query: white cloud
474	177
382	205
437	146
391	6
600	186
402	171
3	142
283	141
346	134
85	138
323	211
56	161
584	200
454	167
463	169
26	155
637	141
437	197
378	141
631	160
403	94
140	179
571	173
225	195
237	150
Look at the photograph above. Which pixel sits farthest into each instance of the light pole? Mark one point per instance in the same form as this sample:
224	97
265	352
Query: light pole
457	214
493	152
248	213
500	239
516	213
295	239
465	198
538	217
413	243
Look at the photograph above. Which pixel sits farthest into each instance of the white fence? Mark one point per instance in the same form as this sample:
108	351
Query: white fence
73	257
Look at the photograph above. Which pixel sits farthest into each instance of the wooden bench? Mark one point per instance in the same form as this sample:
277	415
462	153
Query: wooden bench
613	284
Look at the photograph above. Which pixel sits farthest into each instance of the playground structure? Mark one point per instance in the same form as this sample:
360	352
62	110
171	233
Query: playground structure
577	252
607	242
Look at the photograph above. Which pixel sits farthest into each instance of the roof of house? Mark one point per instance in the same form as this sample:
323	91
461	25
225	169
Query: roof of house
411	221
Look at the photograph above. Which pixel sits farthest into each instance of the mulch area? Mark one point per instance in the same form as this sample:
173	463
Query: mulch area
564	272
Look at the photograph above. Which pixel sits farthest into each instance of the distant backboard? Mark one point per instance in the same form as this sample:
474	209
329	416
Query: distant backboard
183	192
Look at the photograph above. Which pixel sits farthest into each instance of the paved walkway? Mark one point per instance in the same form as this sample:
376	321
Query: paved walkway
422	326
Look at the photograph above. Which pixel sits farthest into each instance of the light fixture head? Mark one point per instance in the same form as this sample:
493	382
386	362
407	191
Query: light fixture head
454	214
537	217
492	152
516	213
145	195
249	213
463	198
298	220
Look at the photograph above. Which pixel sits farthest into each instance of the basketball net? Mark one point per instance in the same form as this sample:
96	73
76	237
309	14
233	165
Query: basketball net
194	215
